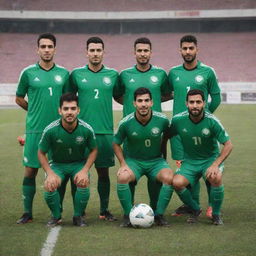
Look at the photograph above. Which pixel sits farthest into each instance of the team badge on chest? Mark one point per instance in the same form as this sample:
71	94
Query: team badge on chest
79	140
106	81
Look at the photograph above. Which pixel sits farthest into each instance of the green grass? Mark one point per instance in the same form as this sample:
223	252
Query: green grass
235	238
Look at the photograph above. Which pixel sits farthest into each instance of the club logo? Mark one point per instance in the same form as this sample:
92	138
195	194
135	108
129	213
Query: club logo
106	81
154	79
206	132
58	78
155	131
199	79
79	140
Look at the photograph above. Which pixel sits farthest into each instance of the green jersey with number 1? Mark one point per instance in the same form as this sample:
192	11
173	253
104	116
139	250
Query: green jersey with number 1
182	80
95	92
67	147
143	141
155	79
200	140
43	88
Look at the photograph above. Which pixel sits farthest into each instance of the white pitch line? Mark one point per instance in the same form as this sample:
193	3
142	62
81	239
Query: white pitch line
50	242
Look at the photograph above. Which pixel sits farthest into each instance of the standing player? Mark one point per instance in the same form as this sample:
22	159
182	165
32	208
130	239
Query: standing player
66	141
193	74
200	134
43	84
147	75
143	132
96	84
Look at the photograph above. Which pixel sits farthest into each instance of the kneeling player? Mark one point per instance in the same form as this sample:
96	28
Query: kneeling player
66	141
200	134
142	131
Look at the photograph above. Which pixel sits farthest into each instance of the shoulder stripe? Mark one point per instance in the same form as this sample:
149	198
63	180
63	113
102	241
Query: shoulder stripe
51	125
86	125
184	113
211	116
159	114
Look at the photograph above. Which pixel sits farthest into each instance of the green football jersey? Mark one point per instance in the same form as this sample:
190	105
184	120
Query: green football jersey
182	80
65	147
200	140
155	79
43	89
95	92
142	141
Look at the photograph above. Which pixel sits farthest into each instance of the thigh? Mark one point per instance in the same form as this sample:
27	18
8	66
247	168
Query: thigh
136	167
30	158
105	156
156	166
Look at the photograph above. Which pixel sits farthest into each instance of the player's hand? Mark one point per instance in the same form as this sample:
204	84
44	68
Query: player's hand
124	168
52	182
212	172
21	140
81	179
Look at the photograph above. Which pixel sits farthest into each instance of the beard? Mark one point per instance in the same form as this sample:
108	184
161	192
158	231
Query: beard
196	113
189	58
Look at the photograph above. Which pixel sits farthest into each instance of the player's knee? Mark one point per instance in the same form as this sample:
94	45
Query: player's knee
123	178
167	177
178	183
30	172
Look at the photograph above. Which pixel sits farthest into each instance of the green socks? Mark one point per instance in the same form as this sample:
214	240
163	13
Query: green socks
217	196
53	201
186	197
81	199
195	191
154	188
164	199
125	197
104	191
28	191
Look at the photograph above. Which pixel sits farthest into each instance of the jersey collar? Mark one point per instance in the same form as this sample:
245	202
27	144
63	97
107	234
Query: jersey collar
147	121
94	71
67	130
198	63
46	69
199	121
150	66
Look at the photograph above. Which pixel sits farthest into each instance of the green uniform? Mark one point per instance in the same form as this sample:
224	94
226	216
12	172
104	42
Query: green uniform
201	148
43	89
182	80
68	153
143	155
155	79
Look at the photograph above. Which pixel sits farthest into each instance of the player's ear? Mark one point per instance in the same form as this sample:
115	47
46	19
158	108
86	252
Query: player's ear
134	103
78	110
59	109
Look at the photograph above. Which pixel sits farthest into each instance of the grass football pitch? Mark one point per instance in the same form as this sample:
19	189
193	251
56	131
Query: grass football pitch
235	238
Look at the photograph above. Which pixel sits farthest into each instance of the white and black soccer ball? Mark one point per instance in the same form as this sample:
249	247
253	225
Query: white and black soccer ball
141	216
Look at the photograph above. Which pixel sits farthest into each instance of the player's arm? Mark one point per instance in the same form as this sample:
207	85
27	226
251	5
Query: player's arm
119	100
81	179
21	102
215	102
214	168
52	181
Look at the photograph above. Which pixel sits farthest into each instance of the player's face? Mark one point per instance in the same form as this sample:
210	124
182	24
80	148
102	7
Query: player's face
46	50
142	53
188	52
95	54
195	105
143	104
69	112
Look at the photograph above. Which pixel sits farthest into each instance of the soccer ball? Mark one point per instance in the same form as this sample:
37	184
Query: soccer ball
141	216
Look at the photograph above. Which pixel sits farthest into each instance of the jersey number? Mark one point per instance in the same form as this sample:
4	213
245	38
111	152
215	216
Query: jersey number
148	143
96	96
197	140
188	88
50	89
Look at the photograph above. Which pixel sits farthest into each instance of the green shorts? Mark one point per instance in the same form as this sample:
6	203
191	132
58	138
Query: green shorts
194	172
177	148
105	157
149	168
67	170
30	158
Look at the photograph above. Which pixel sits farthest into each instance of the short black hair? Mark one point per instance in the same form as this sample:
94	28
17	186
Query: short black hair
142	40
188	39
142	91
94	40
68	97
195	92
47	36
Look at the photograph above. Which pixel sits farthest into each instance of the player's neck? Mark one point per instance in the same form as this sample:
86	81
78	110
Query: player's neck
95	68
47	65
191	65
69	127
143	68
143	119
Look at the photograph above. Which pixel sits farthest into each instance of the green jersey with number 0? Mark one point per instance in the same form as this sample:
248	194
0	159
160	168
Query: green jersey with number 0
43	89
65	147
95	92
200	140
182	80
155	79
142	141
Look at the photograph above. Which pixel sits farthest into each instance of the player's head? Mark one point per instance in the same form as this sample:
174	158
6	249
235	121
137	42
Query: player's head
143	101
95	50
69	108
188	48
142	50
46	44
195	102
